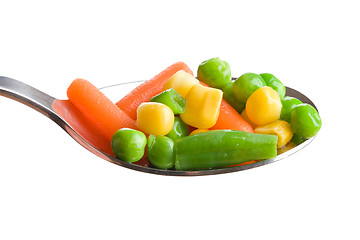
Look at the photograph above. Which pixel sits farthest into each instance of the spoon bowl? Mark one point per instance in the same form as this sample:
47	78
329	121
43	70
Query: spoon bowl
65	115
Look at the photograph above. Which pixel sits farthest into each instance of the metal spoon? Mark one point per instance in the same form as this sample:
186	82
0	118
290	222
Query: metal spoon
63	113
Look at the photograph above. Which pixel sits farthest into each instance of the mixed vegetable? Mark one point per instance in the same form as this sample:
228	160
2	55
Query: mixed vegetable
178	121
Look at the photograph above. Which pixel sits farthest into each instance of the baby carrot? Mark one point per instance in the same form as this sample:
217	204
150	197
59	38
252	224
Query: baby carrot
82	125
148	89
229	118
244	163
97	108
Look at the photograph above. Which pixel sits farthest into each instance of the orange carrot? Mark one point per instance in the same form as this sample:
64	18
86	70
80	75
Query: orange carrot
229	118
97	108
244	163
82	125
148	89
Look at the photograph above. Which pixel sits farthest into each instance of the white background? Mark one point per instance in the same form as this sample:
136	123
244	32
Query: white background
52	188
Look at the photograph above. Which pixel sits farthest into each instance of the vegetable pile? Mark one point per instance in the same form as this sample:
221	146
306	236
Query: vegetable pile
176	121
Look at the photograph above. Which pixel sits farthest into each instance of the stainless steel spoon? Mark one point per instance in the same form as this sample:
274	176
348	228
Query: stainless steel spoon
63	113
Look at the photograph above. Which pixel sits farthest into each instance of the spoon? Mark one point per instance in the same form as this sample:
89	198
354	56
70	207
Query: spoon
64	114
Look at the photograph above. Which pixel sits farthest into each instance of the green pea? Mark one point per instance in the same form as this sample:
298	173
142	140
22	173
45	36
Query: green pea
246	84
179	130
214	72
160	151
288	104
172	99
297	139
274	83
230	98
128	144
305	121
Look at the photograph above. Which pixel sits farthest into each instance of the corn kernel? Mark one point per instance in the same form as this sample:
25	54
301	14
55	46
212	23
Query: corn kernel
280	128
155	118
263	106
202	106
181	82
286	148
199	130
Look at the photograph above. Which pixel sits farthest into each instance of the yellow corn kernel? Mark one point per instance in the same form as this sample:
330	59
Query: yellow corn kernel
181	82
196	131
202	106
280	128
263	106
155	118
286	148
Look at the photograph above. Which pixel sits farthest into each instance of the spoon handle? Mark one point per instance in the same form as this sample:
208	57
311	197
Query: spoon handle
27	95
